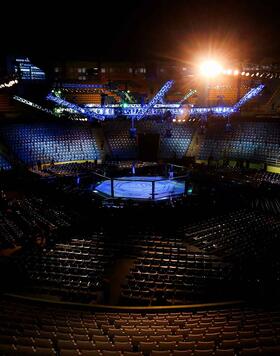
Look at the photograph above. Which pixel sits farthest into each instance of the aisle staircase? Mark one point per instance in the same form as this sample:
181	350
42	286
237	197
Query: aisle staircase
101	142
273	102
194	147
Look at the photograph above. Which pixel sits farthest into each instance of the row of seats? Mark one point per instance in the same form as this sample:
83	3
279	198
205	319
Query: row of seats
266	177
165	271
28	218
123	146
235	234
89	96
252	141
50	142
54	142
4	164
225	94
73	270
85	167
196	264
52	330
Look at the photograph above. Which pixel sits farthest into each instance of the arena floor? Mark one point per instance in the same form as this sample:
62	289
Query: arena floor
141	187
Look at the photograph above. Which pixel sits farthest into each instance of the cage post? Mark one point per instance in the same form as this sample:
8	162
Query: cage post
112	188
153	190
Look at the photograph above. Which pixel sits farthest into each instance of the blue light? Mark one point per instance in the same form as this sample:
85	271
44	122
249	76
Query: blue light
188	95
227	110
83	86
34	105
158	97
138	187
153	108
251	94
76	108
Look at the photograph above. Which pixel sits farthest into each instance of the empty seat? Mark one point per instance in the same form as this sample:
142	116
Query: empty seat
85	345
203	353
166	345
248	352
25	350
42	342
103	345
185	345
111	353
69	353
160	353
7	349
271	350
147	347
66	344
175	338
182	352
266	341
222	352
89	353
122	338
229	344
123	346
250	342
44	351
204	345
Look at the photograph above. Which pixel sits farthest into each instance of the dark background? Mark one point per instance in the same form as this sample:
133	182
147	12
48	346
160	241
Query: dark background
141	29
148	146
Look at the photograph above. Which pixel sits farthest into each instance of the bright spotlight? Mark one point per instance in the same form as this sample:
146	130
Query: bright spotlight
210	68
236	72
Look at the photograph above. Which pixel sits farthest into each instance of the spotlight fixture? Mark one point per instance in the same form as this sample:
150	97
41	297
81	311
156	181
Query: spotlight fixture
210	68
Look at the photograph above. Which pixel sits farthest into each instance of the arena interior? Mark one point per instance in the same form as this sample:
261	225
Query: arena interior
140	210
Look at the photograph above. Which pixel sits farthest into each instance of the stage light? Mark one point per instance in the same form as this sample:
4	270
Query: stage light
236	72
243	73
190	190
229	72
247	74
210	68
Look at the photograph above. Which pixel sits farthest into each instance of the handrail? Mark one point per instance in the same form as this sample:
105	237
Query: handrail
117	308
